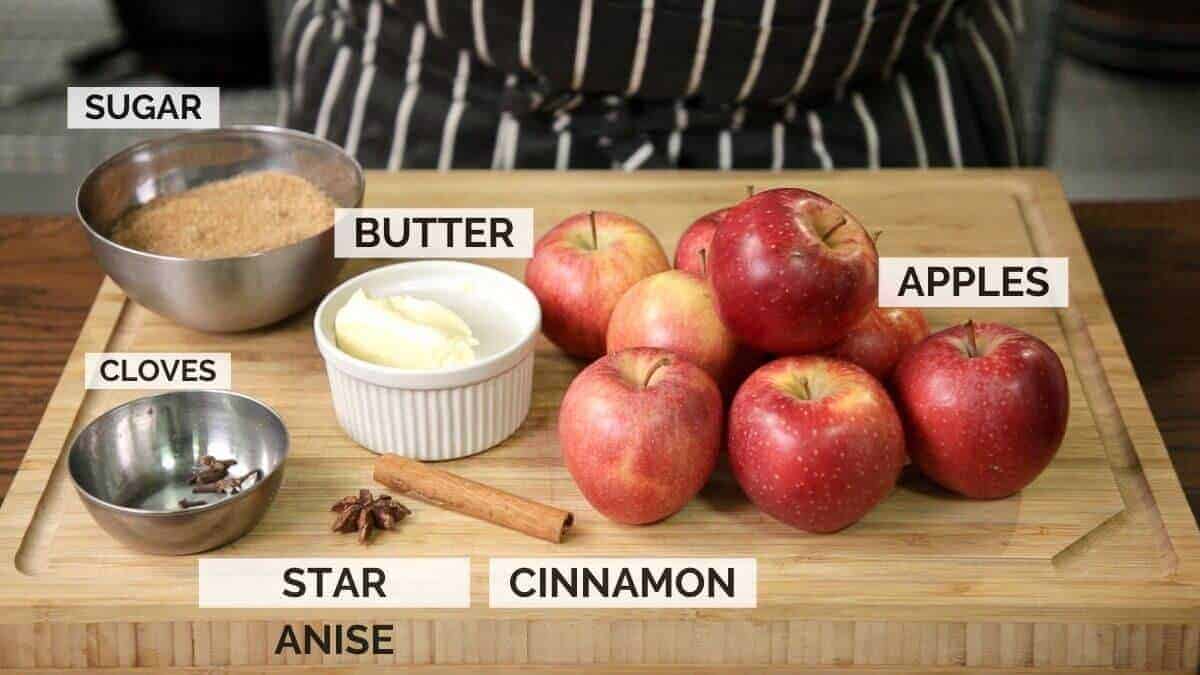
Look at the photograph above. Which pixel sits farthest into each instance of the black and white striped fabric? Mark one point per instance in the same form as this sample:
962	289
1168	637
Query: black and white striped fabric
628	84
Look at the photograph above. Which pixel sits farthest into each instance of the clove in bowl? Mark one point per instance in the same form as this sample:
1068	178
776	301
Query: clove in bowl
180	472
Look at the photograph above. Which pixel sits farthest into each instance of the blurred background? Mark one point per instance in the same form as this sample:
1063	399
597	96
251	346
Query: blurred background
1109	88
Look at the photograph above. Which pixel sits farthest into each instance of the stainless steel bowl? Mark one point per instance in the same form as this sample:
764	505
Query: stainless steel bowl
131	467
220	294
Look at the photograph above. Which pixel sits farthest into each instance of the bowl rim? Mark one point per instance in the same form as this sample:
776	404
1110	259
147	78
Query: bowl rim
252	129
440	378
152	513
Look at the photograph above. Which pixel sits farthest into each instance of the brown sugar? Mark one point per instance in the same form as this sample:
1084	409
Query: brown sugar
246	214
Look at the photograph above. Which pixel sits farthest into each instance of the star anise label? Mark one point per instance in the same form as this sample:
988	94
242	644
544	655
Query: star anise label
366	513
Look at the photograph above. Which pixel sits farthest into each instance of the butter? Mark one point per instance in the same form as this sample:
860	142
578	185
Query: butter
403	332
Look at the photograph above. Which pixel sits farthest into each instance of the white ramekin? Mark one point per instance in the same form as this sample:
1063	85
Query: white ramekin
437	414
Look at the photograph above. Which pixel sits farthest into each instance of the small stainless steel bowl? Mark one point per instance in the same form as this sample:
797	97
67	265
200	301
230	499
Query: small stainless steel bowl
218	294
131	467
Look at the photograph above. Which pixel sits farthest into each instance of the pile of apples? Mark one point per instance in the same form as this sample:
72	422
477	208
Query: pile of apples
765	339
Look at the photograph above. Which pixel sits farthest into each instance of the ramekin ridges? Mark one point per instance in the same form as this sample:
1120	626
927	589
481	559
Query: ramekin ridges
439	414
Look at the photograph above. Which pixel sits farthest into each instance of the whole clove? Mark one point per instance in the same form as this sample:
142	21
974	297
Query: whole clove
228	485
210	470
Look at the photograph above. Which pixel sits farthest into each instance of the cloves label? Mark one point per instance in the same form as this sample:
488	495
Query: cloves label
335	582
147	370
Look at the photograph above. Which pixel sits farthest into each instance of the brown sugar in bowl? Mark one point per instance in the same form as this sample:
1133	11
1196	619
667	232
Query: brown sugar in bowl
223	292
249	213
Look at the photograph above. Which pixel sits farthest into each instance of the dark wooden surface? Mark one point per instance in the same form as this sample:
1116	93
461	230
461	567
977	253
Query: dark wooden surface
1147	254
1148	258
47	282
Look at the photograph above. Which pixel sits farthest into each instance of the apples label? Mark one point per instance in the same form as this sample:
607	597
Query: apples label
433	233
973	282
623	582
143	107
335	582
147	370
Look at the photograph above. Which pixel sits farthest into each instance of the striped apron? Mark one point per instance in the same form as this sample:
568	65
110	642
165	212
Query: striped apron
628	84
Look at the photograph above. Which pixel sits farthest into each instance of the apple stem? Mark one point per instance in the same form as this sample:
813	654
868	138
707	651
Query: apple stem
595	238
749	191
875	237
830	231
804	392
972	346
654	369
704	263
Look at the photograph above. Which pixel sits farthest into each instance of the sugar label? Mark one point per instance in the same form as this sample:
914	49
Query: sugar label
143	107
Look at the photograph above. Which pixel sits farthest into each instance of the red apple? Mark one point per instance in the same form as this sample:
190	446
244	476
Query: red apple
692	250
986	408
878	341
640	431
676	311
793	271
581	267
815	442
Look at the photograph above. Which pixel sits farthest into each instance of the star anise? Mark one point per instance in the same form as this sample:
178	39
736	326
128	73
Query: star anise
366	514
228	485
210	470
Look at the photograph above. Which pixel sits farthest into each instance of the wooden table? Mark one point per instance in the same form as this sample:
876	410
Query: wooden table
1144	252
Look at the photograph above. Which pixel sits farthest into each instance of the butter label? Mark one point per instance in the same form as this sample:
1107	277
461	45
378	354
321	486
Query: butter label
623	583
433	233
149	370
974	282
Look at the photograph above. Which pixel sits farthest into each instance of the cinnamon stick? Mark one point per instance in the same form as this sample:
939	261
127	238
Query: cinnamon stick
449	491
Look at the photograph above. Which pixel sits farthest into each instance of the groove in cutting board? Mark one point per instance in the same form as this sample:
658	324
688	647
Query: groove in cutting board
1126	467
34	551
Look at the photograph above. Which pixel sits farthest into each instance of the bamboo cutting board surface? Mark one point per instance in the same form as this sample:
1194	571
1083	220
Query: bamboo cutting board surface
1103	535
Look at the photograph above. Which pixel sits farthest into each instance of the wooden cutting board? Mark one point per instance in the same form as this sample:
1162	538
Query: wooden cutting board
1095	564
